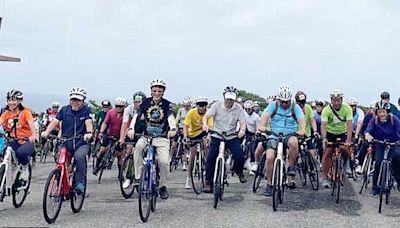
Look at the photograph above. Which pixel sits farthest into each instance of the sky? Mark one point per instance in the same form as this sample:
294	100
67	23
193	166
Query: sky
115	48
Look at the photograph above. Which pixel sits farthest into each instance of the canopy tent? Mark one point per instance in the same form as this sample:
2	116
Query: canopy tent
2	57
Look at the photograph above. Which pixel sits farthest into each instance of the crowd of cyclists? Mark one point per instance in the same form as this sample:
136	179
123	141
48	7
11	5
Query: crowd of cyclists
241	121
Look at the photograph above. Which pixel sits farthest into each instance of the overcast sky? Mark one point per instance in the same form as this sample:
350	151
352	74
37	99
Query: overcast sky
117	47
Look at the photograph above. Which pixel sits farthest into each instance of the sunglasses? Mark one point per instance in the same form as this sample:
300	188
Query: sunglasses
202	104
74	99
248	109
119	106
285	102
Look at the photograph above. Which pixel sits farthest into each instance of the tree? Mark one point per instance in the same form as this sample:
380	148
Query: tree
254	97
94	106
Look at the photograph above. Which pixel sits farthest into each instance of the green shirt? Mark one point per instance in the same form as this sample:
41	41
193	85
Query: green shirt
335	125
308	114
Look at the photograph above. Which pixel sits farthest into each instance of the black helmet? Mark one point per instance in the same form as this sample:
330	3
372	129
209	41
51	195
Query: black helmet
385	95
106	103
15	93
139	96
383	105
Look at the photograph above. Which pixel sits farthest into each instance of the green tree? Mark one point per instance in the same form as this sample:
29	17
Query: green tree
254	97
95	107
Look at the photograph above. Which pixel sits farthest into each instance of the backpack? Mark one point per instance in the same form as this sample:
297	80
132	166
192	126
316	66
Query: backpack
292	106
391	119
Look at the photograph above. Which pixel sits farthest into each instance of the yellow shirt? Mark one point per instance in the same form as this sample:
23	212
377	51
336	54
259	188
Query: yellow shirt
194	123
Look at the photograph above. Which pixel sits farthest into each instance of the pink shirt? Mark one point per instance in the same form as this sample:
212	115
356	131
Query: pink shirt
114	121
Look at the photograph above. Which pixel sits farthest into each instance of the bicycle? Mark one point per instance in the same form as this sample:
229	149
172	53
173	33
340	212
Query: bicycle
367	169
307	165
108	157
128	172
10	172
279	178
47	147
336	170
385	177
177	153
59	186
220	172
198	166
260	173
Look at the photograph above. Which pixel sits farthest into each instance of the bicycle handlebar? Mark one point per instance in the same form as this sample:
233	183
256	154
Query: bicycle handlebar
386	142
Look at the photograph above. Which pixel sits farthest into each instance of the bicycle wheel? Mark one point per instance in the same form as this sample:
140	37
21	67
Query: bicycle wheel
145	193
313	172
52	196
20	189
365	172
77	199
276	188
339	175
259	175
127	173
45	151
154	193
218	183
301	169
3	189
382	182
104	163
390	186
196	173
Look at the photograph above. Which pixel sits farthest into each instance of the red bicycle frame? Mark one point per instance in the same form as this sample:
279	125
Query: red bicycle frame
65	179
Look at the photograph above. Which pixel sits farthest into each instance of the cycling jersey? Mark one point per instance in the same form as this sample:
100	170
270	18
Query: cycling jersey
283	121
194	123
335	125
308	114
252	121
225	120
358	118
113	120
182	112
99	119
317	117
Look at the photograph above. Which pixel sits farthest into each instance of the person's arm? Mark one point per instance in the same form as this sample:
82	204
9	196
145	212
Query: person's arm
265	117
302	126
104	124
210	113
89	129
314	124
349	123
185	131
51	126
123	131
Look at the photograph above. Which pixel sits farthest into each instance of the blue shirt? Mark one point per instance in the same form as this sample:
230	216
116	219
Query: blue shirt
393	109
283	121
387	130
73	124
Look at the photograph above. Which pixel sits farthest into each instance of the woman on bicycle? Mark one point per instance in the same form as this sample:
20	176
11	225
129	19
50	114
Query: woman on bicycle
18	122
384	126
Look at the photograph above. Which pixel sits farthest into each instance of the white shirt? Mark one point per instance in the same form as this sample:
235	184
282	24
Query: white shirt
252	121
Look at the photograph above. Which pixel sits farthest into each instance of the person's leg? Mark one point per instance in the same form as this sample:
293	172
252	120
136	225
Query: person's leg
23	152
162	147
80	164
138	157
234	146
212	156
396	164
379	153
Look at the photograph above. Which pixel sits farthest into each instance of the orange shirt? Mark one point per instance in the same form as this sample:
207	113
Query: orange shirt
23	128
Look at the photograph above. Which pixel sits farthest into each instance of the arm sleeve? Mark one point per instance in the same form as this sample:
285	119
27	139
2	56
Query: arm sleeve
60	114
107	119
298	112
361	117
213	110
325	114
349	114
371	127
241	116
127	112
270	108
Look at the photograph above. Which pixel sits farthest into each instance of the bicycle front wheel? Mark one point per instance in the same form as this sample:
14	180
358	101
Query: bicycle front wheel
76	198
383	183
259	174
197	174
145	193
339	176
52	196
218	183
20	189
313	172
45	151
127	175
276	188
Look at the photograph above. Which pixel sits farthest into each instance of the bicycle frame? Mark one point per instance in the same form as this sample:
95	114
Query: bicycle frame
220	157
66	181
281	158
9	160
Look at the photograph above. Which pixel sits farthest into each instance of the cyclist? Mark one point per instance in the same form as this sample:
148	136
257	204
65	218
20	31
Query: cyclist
99	118
17	121
317	116
76	121
192	130
226	114
358	116
112	123
252	121
180	118
240	101
286	117
50	116
336	123
393	109
384	126
159	122
256	108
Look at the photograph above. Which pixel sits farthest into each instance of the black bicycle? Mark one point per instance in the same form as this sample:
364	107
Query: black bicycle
259	175
307	165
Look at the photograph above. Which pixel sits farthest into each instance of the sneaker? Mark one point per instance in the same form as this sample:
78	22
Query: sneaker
79	188
242	178
251	173
228	161
268	190
184	168
291	171
164	193
292	183
208	189
126	183
188	184
359	169
254	167
326	183
375	191
247	165
24	173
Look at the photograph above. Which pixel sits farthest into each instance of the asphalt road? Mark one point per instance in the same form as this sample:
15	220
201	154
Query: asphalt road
302	207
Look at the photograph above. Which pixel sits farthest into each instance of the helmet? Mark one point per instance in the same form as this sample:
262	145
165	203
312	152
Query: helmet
139	96
77	93
249	104
300	96
313	104
336	93
15	93
158	82
256	104
55	104
201	99
269	99
106	103
385	95
352	101
382	104
285	93
120	101
186	101
230	92
319	102
373	104
240	99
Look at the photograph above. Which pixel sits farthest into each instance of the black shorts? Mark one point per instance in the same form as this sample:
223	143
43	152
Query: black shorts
107	140
198	137
332	138
272	143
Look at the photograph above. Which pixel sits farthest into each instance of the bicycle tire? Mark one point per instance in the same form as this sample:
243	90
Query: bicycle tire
127	172
45	151
103	164
196	174
382	184
154	194
339	171
59	198
144	196
77	200
276	189
301	169
17	184
259	175
313	173
217	183
365	172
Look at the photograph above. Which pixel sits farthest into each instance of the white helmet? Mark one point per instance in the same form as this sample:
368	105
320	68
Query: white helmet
352	101
77	93
336	93
120	101
285	93
158	82
248	104
269	99
256	104
373	104
55	104
186	101
201	99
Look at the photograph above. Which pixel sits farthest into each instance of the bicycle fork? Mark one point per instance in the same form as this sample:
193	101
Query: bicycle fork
222	159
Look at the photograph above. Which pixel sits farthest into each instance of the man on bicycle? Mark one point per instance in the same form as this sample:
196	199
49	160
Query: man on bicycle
160	124
112	123
226	115
180	118
252	121
192	130
285	117
337	122
76	121
385	126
